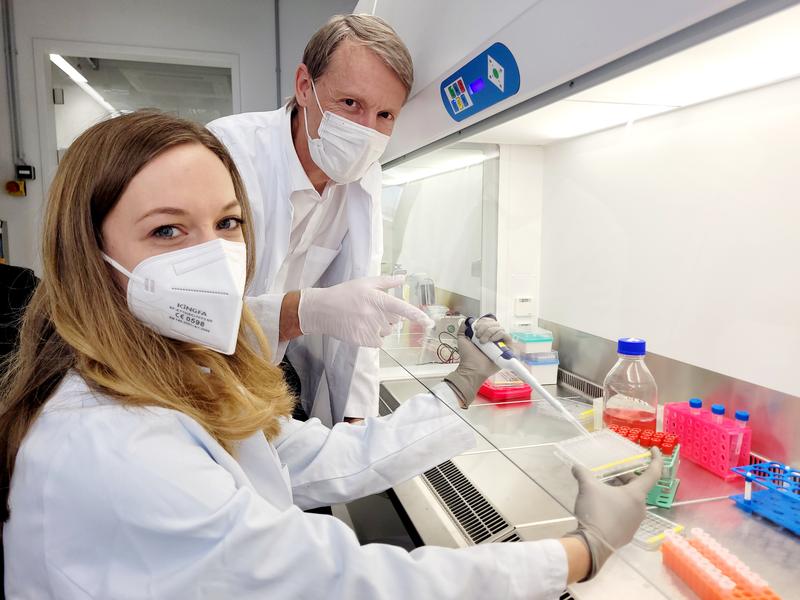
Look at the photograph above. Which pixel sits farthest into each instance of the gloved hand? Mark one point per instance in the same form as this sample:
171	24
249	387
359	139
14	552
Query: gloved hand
357	311
608	516
474	366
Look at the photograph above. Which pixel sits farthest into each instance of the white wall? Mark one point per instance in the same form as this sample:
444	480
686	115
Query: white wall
244	28
77	113
519	231
299	19
241	27
12	209
684	230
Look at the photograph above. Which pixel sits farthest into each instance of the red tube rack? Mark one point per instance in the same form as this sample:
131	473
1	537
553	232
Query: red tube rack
706	443
647	438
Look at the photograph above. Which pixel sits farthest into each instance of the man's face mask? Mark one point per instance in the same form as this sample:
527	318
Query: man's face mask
344	149
193	294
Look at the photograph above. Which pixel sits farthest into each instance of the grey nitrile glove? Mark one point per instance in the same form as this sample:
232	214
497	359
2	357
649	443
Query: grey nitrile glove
474	366
608	516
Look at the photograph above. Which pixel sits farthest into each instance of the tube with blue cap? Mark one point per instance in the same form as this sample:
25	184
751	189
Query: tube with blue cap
501	355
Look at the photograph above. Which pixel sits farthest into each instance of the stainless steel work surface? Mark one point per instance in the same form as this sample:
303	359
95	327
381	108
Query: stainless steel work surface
768	550
514	467
549	471
518	498
510	424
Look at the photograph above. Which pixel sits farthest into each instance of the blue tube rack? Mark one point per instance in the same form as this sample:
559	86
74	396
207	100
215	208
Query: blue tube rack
778	496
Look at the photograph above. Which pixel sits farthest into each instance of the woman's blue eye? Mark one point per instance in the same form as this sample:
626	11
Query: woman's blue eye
230	223
165	231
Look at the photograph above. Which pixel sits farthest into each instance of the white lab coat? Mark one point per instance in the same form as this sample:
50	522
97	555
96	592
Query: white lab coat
338	379
114	502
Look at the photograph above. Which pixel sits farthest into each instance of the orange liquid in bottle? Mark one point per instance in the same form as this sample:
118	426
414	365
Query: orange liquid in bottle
628	417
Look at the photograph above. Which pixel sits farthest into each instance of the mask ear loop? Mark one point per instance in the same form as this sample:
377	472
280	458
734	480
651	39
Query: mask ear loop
314	89
122	269
116	265
305	112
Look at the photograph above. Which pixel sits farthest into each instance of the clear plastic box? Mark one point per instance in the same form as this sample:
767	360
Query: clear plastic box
652	531
604	453
543	366
526	342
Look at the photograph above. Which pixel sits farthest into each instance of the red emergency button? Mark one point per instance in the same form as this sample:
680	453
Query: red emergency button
15	187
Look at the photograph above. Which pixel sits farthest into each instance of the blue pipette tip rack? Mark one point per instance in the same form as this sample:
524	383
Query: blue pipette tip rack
777	497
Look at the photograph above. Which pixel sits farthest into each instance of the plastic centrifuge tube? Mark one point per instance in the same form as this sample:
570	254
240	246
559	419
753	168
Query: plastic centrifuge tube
742	419
695	404
717	412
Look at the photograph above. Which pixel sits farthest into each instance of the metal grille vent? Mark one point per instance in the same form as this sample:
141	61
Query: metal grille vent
566	596
388	402
478	519
512	537
579	384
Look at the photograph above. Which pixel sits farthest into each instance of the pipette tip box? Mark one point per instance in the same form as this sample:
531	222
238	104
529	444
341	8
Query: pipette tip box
604	453
711	570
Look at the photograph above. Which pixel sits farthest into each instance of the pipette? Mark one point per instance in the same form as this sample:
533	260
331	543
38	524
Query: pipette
501	355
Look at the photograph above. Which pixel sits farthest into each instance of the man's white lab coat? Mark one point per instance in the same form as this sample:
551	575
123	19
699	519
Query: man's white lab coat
338	379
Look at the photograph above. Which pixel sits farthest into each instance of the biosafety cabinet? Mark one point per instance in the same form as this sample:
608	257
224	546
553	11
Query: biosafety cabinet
600	170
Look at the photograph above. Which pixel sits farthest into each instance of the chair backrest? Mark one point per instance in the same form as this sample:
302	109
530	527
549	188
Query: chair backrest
16	288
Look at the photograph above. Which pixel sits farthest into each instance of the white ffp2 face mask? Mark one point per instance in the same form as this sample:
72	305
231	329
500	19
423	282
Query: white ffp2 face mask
193	294
344	149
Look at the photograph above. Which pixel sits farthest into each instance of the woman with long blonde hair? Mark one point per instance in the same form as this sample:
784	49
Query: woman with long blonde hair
147	445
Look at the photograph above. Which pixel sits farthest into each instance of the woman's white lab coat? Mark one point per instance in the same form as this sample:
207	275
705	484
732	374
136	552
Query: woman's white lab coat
338	379
114	502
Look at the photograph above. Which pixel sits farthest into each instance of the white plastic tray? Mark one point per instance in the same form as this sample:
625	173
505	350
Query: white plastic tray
651	532
604	453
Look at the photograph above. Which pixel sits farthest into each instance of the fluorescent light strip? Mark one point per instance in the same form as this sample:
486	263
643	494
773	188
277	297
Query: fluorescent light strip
81	81
433	172
71	71
96	96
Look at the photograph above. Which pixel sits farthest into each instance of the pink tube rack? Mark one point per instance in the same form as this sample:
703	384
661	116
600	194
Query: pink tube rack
710	445
711	570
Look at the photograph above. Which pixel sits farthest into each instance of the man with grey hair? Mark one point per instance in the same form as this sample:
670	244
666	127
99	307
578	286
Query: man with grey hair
311	173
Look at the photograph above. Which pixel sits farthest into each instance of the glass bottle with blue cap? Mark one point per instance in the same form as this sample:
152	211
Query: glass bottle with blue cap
630	394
